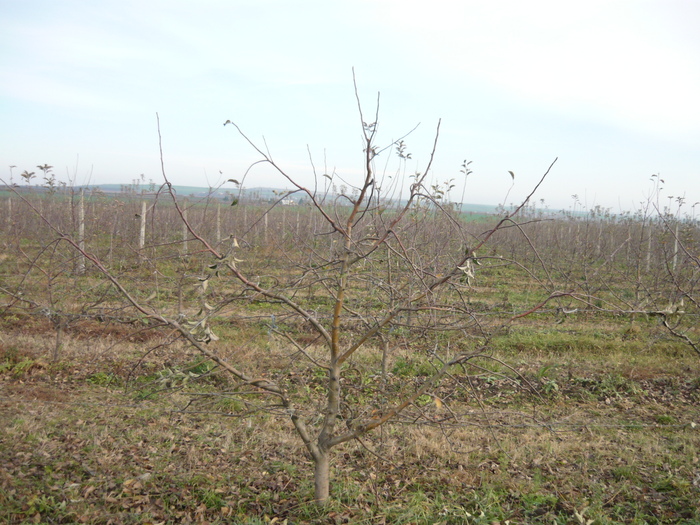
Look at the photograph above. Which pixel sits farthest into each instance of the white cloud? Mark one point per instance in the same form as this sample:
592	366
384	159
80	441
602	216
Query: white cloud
626	63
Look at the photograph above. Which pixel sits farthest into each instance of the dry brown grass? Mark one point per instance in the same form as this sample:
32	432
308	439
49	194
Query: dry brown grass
79	442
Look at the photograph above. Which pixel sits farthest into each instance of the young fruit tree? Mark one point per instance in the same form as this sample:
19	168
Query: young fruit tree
365	293
680	309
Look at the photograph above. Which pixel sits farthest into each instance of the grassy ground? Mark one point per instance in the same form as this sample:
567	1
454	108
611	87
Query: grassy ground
611	436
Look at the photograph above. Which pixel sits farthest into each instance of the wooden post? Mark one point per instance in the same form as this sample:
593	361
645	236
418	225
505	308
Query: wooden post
675	248
184	227
142	231
648	260
218	223
265	229
80	262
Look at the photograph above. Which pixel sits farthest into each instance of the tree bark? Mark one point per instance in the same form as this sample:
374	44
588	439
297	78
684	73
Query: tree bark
322	476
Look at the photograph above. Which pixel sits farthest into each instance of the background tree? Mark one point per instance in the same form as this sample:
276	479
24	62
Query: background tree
680	311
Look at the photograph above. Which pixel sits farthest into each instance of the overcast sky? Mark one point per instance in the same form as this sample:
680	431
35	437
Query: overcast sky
610	87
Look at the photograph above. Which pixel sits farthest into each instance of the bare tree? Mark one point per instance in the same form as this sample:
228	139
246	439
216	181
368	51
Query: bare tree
372	271
430	253
680	316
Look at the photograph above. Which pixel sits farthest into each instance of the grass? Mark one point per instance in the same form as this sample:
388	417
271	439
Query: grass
572	414
79	446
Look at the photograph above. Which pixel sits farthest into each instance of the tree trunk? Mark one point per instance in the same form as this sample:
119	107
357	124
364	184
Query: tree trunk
322	476
385	360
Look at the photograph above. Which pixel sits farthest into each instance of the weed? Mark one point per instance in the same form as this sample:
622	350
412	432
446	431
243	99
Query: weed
550	386
199	367
102	379
20	368
412	368
625	472
47	506
211	498
664	419
424	400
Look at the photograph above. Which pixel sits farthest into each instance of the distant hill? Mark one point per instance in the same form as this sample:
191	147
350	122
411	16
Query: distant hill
226	194
193	191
